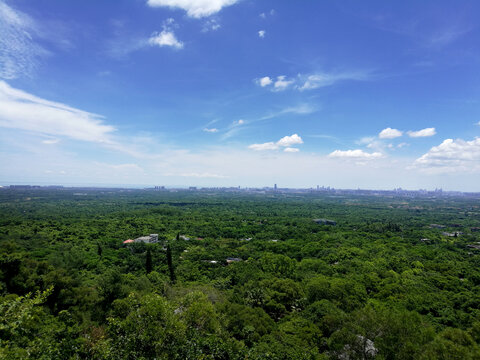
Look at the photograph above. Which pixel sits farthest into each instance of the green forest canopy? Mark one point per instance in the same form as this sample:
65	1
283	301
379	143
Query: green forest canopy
381	283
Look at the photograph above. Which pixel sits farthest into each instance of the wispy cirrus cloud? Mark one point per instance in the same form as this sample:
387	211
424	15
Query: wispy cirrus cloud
194	8
233	128
19	53
23	111
303	82
323	79
300	109
210	130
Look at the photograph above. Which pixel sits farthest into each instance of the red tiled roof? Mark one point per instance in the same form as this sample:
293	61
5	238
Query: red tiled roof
129	241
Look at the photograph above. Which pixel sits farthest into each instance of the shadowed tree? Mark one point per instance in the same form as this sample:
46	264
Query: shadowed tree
148	262
170	264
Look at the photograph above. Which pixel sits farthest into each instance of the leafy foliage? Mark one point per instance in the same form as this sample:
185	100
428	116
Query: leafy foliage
237	276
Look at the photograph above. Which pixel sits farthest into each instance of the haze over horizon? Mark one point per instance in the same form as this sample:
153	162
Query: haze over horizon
240	92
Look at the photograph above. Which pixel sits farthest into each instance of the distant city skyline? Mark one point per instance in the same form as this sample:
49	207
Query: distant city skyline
244	93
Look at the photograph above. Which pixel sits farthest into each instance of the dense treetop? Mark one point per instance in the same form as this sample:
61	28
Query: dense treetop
383	283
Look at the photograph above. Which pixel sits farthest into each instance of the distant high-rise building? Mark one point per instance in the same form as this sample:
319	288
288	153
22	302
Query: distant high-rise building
275	187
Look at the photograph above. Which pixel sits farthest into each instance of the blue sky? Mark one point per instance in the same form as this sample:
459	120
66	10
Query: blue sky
348	94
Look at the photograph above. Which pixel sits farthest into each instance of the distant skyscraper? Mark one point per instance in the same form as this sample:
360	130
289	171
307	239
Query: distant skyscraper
275	187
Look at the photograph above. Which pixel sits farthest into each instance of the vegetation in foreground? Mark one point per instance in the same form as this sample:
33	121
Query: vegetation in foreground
383	283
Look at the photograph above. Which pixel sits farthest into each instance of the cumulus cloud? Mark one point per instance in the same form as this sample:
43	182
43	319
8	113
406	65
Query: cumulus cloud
355	154
390	133
23	111
286	141
167	36
292	150
290	140
212	130
239	122
264	81
194	8
452	155
422	133
282	83
262	33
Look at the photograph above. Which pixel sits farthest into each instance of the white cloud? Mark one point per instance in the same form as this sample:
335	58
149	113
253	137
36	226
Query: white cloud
323	79
212	130
365	140
290	140
211	25
286	142
20	110
422	133
390	133
262	33
165	38
265	146
18	52
301	109
292	150
282	83
355	154
317	80
264	15
50	141
452	156
234	128
264	81
194	8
